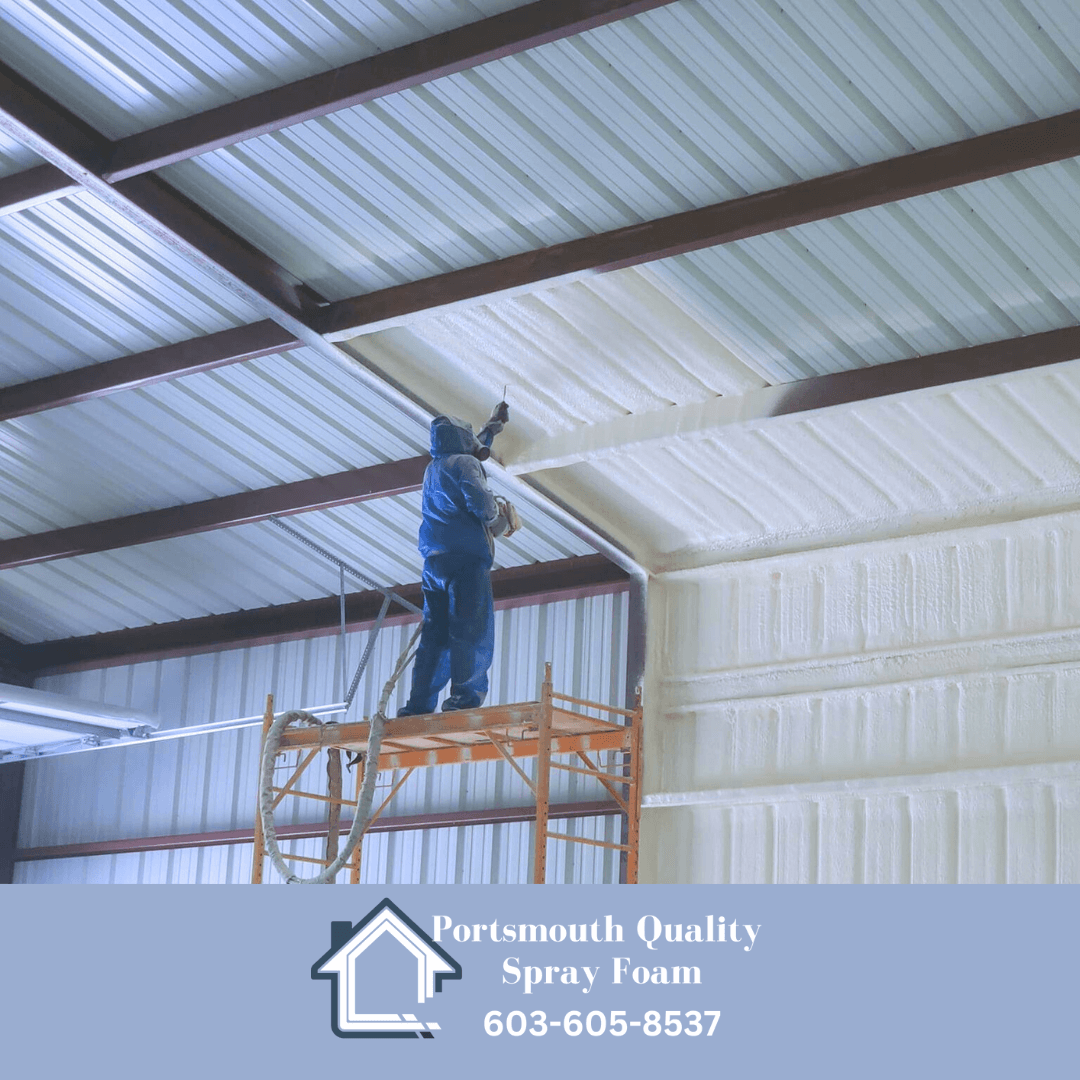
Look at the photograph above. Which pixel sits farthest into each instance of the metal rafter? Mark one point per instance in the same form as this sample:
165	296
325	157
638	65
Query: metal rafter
301	496
469	46
561	579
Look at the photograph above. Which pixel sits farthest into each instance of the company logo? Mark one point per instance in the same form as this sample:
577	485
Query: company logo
358	976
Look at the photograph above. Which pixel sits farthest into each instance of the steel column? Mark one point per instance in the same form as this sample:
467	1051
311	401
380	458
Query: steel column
11	788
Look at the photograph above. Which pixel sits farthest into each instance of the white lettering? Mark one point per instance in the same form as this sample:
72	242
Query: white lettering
645	929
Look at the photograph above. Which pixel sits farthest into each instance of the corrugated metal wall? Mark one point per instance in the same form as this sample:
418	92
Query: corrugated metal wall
904	711
207	783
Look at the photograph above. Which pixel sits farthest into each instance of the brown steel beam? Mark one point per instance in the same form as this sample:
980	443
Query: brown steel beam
31	117
681	422
939	369
43	183
145	368
1014	149
450	820
302	496
386	73
561	579
70	145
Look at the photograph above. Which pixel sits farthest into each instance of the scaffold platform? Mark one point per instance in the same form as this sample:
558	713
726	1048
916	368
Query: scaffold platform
556	726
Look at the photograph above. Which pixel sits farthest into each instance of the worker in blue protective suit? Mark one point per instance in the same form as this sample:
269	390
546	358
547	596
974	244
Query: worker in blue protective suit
461	520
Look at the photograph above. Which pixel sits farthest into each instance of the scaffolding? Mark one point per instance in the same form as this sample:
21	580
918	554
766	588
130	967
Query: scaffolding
556	726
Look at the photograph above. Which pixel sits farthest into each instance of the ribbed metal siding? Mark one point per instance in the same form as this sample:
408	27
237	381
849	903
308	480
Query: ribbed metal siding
208	783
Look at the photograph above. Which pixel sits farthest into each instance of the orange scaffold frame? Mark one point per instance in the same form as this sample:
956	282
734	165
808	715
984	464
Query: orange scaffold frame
555	726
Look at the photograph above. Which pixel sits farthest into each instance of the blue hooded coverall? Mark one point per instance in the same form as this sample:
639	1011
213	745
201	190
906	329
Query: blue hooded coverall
460	519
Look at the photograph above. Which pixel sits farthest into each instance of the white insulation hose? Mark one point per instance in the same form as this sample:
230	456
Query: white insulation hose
362	816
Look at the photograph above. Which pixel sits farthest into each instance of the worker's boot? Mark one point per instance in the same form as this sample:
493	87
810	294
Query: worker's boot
456	702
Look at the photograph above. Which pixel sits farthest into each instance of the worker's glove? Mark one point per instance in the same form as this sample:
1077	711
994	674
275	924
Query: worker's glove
501	415
513	520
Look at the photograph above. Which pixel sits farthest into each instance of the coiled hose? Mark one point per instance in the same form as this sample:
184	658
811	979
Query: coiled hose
362	817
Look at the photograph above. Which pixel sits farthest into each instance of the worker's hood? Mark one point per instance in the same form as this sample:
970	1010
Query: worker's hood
449	435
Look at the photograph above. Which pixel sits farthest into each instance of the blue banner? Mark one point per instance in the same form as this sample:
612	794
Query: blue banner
521	981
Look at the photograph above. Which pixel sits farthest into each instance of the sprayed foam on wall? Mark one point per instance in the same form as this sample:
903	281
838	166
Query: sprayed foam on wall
901	711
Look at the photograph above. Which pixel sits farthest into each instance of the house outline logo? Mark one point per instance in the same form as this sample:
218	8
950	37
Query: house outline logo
339	964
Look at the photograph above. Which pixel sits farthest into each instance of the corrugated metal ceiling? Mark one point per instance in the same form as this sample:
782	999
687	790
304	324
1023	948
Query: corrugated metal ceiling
678	108
992	260
78	285
128	66
264	422
674	109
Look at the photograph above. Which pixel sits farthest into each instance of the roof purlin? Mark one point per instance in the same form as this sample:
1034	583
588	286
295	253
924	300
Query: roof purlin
505	34
32	118
1014	149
